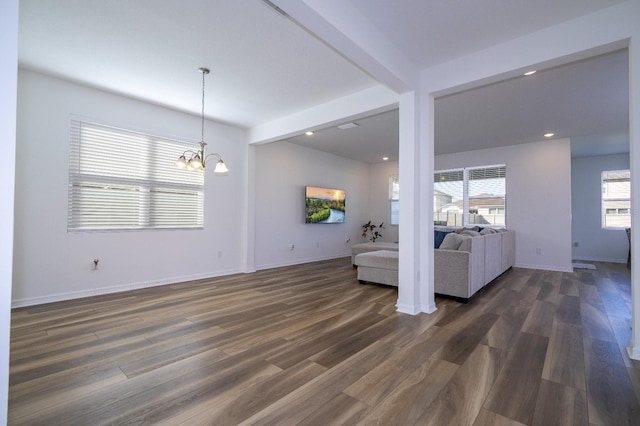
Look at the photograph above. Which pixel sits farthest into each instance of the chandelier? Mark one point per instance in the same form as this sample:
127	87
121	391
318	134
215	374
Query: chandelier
197	159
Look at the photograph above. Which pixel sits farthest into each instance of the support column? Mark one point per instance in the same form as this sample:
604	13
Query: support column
415	289
634	162
8	95
409	226
426	166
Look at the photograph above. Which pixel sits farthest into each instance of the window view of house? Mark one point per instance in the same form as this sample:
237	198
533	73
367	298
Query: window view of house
616	199
470	196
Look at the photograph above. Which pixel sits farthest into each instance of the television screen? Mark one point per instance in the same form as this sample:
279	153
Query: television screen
324	205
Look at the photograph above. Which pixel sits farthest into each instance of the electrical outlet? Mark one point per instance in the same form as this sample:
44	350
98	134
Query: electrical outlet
538	250
292	246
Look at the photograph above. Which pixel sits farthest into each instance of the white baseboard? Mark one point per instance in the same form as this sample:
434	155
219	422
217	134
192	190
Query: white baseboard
634	352
599	259
544	267
59	297
299	261
429	309
407	309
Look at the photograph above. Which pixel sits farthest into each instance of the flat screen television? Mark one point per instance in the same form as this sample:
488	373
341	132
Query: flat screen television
324	205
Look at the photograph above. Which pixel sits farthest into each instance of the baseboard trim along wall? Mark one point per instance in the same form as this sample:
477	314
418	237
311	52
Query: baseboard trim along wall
544	268
299	261
59	297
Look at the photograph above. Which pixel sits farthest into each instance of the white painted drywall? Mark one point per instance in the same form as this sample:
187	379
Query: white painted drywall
379	206
52	264
282	171
538	198
595	243
8	89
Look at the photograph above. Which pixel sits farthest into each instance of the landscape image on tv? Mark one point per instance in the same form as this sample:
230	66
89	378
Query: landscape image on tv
324	205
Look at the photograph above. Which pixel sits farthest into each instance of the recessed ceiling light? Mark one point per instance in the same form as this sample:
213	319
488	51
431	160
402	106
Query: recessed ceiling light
385	158
548	135
530	72
346	126
309	133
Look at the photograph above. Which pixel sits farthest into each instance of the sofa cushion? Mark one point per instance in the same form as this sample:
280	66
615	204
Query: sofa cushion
453	241
487	231
382	259
470	233
438	237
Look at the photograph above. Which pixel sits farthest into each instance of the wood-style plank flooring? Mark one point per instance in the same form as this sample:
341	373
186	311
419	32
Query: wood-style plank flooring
309	345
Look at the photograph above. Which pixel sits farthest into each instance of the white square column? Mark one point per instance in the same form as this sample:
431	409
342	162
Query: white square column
415	263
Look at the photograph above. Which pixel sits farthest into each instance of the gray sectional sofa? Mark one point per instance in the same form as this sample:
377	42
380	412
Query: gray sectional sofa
467	259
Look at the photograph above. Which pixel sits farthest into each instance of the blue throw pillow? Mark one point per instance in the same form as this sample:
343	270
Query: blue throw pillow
438	237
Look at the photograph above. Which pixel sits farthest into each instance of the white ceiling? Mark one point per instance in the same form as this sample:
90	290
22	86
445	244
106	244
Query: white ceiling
431	32
264	66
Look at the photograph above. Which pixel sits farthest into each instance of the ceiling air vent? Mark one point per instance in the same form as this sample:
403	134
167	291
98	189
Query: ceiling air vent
276	8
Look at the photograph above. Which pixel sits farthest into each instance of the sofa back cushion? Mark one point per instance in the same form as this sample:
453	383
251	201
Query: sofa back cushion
438	237
455	241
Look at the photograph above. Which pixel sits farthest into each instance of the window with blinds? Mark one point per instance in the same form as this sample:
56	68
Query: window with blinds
448	198
616	199
470	196
486	189
126	180
394	200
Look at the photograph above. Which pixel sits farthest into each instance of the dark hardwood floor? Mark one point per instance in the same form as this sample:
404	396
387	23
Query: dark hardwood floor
310	345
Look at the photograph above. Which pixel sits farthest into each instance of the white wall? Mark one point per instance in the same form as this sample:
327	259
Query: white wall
8	89
595	243
538	198
51	264
379	207
282	171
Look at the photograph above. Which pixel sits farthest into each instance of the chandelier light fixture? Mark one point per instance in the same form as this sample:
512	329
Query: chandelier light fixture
197	159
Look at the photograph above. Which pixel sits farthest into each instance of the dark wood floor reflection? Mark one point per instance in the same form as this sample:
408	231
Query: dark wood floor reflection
309	345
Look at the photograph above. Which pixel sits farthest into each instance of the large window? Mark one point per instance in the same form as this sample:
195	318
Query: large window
394	200
121	179
470	196
616	199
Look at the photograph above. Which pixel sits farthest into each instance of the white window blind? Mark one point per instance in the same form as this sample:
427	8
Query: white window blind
394	200
121	180
616	199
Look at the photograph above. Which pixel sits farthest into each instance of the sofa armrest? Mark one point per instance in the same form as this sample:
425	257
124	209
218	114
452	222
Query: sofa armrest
452	270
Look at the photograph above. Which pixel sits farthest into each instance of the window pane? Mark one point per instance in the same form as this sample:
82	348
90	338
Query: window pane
617	214
394	197
616	199
395	212
487	190
448	197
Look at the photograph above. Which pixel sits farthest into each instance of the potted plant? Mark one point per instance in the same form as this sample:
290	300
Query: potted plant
369	230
